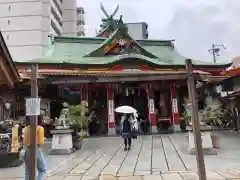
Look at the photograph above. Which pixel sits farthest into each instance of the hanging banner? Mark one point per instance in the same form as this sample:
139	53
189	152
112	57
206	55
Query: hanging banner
151	106
110	111
175	105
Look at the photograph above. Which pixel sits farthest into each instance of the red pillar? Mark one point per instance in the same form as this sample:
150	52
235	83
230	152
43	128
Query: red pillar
151	108
84	93
174	102
111	112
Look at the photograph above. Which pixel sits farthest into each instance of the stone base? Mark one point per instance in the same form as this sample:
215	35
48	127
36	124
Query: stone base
202	128
154	129
176	128
111	131
206	151
61	151
207	145
62	142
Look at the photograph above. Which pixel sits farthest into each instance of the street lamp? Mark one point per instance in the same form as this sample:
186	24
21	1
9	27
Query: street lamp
215	50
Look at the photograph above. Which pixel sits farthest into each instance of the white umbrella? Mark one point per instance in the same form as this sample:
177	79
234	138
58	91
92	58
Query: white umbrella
125	109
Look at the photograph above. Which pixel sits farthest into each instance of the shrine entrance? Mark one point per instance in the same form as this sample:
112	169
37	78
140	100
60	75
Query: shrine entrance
97	103
135	96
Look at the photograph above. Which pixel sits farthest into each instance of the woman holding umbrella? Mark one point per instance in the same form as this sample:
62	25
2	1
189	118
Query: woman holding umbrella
128	125
126	131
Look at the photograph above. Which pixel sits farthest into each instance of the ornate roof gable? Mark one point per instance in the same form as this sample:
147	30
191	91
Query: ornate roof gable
119	43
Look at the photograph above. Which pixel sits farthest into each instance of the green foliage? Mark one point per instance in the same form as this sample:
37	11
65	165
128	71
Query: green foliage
78	115
213	112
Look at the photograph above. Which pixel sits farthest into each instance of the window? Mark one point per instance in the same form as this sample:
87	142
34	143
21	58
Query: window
81	33
80	10
9	8
7	37
8	22
80	22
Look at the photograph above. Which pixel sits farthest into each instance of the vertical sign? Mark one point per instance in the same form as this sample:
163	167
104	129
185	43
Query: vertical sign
33	106
110	111
151	106
175	105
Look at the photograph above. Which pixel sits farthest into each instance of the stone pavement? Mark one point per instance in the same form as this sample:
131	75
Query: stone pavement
151	158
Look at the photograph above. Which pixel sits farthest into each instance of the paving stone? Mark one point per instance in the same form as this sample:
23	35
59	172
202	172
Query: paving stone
189	175
125	174
228	174
110	169
55	178
102	155
89	178
142	173
158	157
214	176
107	177
171	176
156	172
173	160
152	177
130	178
72	178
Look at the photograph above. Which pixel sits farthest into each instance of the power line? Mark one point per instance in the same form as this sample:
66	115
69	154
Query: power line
215	51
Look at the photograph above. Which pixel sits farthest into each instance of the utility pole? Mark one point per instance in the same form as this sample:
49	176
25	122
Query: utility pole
215	50
195	120
33	124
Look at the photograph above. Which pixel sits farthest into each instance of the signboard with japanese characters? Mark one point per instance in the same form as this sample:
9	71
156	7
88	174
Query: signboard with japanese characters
33	106
110	111
151	106
175	105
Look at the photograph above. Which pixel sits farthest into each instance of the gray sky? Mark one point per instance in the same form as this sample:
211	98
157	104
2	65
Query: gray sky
194	24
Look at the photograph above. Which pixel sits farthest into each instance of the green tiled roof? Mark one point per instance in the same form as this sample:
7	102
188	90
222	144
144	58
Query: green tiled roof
73	49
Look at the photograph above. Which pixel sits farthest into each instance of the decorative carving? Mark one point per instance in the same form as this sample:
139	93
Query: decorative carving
121	46
63	120
109	21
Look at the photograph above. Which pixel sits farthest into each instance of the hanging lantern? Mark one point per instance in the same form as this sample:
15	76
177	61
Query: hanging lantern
127	93
133	91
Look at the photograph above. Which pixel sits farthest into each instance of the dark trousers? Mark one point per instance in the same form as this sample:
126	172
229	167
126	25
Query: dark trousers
127	141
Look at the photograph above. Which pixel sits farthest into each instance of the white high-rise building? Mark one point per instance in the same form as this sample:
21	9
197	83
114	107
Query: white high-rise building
26	24
81	21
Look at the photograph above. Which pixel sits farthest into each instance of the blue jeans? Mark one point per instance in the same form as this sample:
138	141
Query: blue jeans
41	166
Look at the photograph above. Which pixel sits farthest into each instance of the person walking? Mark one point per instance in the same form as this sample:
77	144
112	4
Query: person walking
126	130
41	166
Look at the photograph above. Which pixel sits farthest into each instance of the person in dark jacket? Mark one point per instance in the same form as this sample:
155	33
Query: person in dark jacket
126	130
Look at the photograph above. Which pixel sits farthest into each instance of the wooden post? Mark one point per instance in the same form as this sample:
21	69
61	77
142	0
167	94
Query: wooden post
33	125
195	121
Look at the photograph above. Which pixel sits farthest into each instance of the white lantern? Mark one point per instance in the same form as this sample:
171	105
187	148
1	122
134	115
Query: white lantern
7	105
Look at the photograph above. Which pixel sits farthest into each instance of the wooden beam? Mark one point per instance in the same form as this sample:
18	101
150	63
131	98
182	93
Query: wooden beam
116	79
6	54
5	70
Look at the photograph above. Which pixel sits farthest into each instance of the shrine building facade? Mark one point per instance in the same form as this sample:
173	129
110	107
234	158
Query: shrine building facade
114	70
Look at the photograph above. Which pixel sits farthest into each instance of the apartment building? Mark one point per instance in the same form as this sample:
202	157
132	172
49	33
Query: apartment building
138	30
26	25
81	21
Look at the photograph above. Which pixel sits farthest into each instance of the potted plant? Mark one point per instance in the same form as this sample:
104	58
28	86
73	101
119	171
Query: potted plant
79	120
213	115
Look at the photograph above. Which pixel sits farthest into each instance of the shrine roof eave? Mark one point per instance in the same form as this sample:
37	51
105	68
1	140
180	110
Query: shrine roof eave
7	64
67	63
75	39
114	79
